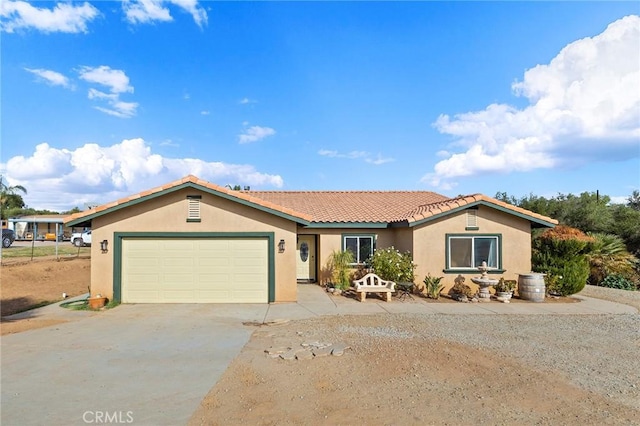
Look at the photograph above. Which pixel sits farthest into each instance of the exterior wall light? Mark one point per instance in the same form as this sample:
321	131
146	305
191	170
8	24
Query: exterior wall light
281	246
104	246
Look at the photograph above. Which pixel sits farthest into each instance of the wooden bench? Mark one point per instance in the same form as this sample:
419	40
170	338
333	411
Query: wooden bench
371	283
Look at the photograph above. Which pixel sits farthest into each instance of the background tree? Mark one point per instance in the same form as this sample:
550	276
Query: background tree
634	200
10	197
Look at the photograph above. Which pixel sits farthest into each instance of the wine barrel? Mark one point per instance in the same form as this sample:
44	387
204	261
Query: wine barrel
531	287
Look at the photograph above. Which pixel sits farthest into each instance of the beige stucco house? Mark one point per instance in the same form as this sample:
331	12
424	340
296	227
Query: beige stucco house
191	241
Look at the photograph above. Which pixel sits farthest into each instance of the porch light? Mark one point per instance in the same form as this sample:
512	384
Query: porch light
103	246
281	246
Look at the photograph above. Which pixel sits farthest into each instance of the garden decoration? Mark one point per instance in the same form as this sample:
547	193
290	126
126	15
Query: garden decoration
484	282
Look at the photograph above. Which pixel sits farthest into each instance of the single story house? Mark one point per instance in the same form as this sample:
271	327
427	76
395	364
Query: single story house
191	241
40	227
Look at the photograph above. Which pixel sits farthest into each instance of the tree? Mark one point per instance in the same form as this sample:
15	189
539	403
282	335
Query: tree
10	197
634	200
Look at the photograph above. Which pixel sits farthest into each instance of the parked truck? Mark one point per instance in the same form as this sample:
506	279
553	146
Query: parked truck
81	239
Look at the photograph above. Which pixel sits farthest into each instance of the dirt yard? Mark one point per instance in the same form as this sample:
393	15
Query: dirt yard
401	370
25	283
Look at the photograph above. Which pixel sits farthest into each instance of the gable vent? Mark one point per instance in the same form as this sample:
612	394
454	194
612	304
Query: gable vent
193	208
472	218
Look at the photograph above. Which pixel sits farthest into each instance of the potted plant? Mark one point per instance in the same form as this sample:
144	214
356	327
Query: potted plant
340	264
504	289
97	301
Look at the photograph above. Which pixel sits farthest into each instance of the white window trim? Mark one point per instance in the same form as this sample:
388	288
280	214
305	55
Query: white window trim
497	237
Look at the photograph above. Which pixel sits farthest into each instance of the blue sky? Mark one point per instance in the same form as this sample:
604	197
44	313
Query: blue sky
104	99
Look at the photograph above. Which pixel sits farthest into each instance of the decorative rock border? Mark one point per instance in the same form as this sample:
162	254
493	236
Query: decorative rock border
309	350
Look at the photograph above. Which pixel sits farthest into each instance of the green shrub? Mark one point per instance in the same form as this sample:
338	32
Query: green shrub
432	286
609	256
619	282
340	265
390	264
560	253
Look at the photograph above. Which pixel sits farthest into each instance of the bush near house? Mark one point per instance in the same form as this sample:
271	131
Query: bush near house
619	282
340	267
609	257
561	253
389	264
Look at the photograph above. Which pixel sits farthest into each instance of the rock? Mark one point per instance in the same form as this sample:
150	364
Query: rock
277	350
338	349
319	352
304	354
289	355
460	297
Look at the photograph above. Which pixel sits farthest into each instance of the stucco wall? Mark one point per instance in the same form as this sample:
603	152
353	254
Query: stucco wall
168	213
429	244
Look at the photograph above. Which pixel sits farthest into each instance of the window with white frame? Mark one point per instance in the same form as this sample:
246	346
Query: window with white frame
360	245
469	251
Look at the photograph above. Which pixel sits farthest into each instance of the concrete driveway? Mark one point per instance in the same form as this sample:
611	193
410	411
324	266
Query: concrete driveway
137	364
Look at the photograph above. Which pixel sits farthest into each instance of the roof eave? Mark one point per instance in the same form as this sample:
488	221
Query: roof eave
536	222
349	225
90	216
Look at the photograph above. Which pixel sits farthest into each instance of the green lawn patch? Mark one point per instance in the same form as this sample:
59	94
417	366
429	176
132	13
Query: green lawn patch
64	250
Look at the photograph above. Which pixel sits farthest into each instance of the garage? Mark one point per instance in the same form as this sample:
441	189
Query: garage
194	270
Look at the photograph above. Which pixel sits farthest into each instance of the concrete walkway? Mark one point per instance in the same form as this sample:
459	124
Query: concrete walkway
153	364
313	301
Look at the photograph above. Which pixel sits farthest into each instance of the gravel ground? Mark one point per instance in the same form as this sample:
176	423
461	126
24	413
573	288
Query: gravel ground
439	369
600	353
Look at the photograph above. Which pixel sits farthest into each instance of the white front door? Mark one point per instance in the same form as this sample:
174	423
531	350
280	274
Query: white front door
306	258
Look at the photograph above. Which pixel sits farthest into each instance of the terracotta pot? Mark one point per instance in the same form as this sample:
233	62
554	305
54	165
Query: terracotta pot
97	302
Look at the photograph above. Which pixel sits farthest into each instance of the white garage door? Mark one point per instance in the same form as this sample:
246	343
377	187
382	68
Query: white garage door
195	270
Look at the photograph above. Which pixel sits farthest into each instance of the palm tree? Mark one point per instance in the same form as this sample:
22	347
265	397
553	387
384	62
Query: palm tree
8	192
609	256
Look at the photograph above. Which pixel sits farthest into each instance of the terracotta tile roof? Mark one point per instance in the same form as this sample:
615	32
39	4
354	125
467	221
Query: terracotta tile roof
335	206
191	179
429	210
351	206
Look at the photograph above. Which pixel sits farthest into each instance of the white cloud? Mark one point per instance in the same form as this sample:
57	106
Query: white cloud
191	6
245	101
145	11
169	142
619	199
64	17
52	78
583	107
97	94
117	82
205	112
120	109
379	159
255	133
149	11
353	155
60	179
